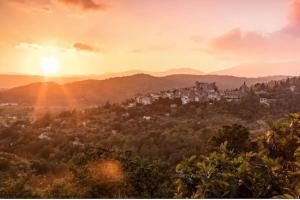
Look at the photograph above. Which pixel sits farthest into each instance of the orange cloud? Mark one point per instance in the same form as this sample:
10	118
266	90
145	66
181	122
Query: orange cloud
84	47
76	46
44	4
31	5
84	4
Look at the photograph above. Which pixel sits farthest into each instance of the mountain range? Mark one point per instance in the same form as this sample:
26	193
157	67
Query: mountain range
262	69
13	80
259	69
118	89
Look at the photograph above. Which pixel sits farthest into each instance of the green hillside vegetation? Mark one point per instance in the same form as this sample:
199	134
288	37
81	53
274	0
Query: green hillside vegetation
198	150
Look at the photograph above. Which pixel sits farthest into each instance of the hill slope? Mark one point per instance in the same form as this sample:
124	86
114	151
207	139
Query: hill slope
10	81
90	92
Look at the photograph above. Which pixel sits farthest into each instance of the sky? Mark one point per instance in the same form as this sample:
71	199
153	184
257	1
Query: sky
100	36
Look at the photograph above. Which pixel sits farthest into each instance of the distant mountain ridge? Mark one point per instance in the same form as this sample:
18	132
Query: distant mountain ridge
119	89
15	80
262	69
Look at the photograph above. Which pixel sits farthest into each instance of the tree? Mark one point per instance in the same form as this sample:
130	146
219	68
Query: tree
224	174
270	170
132	176
249	106
283	144
237	138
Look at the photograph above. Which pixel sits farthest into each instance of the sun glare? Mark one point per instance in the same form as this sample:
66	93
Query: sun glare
49	65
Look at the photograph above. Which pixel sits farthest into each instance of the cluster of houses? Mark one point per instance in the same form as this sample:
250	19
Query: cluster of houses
8	104
202	92
267	99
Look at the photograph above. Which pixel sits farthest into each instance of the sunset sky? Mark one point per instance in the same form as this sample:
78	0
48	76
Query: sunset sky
100	36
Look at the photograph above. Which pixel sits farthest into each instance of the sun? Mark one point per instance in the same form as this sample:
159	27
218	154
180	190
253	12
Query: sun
49	65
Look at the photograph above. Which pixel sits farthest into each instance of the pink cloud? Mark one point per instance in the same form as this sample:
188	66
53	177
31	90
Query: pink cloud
294	12
237	42
292	30
281	44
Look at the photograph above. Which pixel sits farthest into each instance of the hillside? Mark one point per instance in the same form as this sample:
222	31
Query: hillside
10	81
249	70
91	92
157	147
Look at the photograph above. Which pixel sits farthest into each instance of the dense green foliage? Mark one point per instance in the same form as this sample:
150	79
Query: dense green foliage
268	171
221	149
236	137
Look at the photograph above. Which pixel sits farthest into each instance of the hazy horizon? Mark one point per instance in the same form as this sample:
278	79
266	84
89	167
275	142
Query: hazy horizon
167	72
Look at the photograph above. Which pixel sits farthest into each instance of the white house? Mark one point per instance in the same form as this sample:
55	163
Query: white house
213	96
292	88
8	104
131	105
77	142
155	97
44	136
264	101
147	118
173	106
233	95
185	99
145	100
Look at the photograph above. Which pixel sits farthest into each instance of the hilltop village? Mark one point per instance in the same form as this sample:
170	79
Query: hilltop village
207	92
274	94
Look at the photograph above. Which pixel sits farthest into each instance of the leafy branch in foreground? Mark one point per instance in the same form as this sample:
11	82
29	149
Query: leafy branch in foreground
271	170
